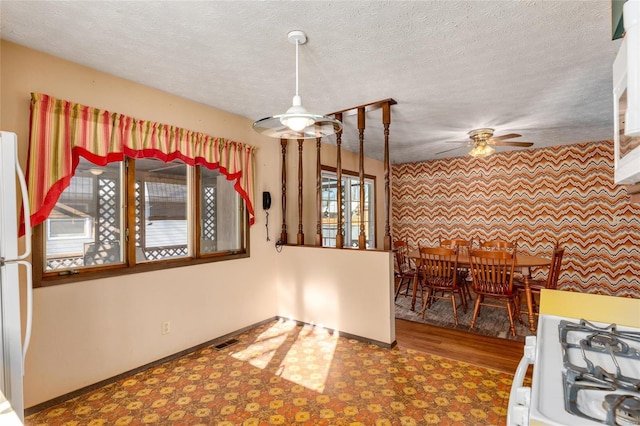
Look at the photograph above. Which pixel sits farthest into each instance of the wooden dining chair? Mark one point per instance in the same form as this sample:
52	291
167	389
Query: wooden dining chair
439	268
492	276
404	271
498	244
463	246
504	245
550	282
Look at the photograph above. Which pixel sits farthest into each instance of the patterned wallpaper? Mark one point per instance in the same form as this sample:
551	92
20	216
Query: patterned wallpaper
537	196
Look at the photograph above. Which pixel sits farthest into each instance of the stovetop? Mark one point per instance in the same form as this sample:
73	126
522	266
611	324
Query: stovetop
601	372
580	368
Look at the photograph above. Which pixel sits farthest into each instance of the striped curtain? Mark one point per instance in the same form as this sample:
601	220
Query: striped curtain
61	131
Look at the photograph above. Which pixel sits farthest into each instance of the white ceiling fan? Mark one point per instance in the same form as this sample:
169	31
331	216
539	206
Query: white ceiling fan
483	141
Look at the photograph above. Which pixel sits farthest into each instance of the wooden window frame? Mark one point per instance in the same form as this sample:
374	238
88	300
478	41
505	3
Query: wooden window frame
129	266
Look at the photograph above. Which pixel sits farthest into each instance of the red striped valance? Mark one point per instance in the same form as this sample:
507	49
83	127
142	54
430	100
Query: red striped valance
62	130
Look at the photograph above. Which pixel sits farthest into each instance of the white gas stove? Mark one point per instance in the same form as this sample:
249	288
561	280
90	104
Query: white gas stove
585	372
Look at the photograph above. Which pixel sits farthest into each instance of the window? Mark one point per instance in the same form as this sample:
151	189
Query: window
350	211
222	226
161	192
171	207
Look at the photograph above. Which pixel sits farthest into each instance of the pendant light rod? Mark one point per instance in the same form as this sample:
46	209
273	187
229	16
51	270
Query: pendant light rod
297	122
297	46
297	37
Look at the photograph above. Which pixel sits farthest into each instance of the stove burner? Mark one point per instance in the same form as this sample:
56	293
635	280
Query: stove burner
598	365
622	407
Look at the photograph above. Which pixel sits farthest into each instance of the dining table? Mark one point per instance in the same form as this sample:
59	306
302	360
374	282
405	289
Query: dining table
523	262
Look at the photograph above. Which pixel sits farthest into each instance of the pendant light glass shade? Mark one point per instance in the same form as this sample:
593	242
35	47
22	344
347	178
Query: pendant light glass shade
297	122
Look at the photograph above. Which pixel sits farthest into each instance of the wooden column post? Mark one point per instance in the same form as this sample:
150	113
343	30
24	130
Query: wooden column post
362	238
361	110
339	231
318	193
300	225
386	120
283	231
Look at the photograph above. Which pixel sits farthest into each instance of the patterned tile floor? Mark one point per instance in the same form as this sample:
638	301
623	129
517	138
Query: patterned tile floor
281	373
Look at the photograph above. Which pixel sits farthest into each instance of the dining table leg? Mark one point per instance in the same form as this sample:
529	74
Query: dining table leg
414	292
527	291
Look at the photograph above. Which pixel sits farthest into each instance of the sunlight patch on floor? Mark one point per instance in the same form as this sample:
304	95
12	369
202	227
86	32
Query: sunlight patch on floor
303	357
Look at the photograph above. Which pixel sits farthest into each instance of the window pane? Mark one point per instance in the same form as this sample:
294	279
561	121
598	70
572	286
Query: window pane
221	214
350	211
84	228
369	221
162	228
329	210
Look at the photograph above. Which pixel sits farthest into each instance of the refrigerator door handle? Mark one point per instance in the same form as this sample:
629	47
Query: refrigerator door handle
27	214
27	332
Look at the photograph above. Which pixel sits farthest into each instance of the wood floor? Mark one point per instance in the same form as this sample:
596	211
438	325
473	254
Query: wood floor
490	352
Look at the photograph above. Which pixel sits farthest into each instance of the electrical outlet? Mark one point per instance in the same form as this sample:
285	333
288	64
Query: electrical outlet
165	327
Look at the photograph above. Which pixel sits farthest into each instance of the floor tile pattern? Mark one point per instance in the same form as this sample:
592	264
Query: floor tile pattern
282	373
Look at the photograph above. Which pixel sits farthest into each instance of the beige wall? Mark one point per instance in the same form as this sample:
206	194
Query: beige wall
346	290
88	331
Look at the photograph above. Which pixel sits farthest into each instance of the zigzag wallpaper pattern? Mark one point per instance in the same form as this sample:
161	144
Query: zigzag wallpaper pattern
537	196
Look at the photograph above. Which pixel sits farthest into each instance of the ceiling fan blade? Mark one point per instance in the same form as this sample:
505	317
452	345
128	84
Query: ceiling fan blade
449	150
458	142
509	136
505	143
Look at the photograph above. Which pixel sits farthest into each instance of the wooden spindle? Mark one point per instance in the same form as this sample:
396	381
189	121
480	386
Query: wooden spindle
339	231
386	120
385	104
283	231
300	225
318	193
362	238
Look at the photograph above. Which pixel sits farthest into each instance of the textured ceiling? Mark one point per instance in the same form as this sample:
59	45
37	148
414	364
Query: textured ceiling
538	68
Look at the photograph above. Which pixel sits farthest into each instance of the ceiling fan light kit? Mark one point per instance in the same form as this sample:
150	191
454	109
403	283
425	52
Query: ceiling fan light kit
297	122
481	151
483	142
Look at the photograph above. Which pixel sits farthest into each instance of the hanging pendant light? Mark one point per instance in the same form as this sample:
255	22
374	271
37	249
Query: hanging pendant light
297	122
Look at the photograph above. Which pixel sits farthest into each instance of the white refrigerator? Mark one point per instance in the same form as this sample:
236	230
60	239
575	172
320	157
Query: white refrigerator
12	346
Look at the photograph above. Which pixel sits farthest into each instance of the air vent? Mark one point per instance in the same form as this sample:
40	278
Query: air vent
221	346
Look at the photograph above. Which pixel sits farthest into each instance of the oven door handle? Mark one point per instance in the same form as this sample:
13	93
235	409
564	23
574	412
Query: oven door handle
519	397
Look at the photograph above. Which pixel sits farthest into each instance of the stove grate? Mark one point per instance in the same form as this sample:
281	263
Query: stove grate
599	375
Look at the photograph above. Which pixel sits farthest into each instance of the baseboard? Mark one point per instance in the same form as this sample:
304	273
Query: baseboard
62	398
